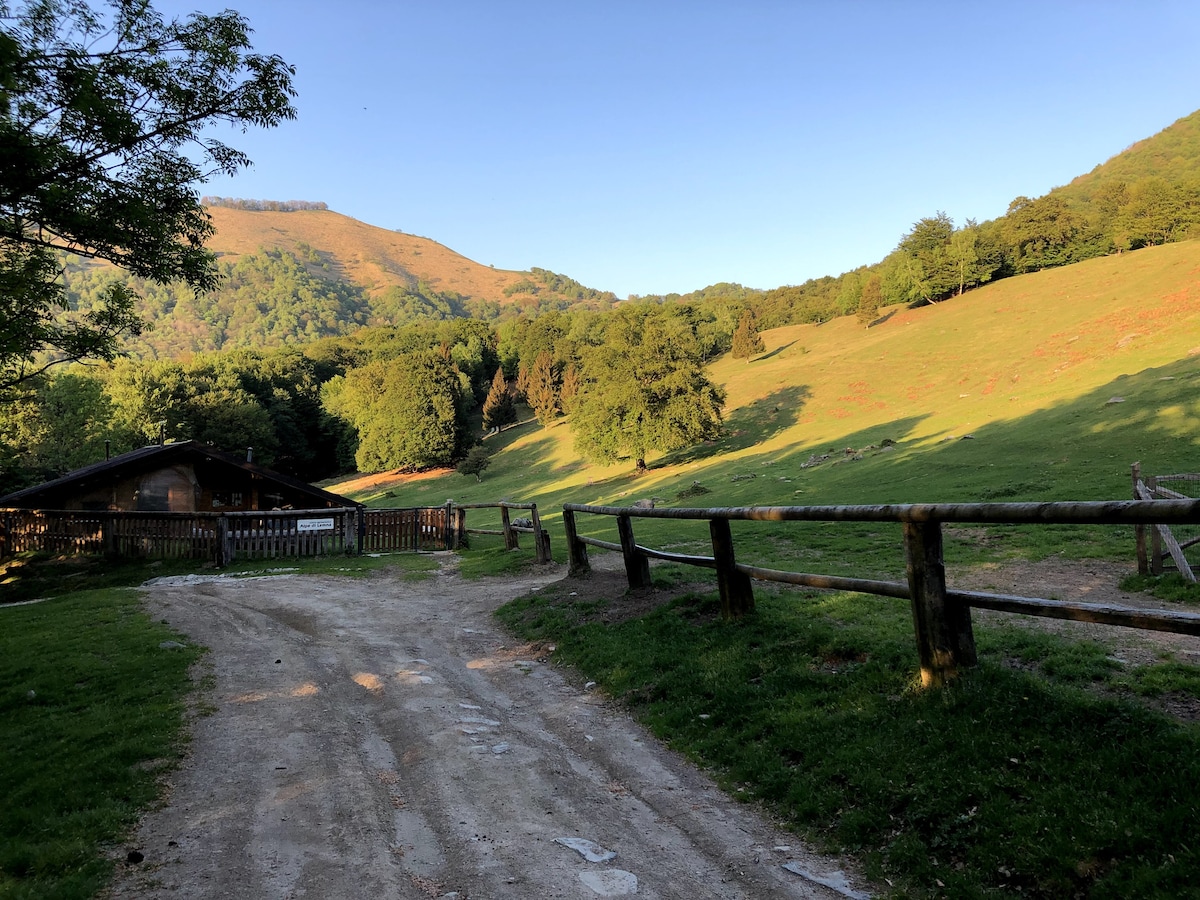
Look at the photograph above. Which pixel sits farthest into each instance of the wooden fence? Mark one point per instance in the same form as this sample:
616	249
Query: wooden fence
1175	541
420	528
219	537
941	617
224	537
541	540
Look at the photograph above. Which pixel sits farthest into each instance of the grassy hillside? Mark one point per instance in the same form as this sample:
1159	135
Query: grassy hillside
1045	386
371	258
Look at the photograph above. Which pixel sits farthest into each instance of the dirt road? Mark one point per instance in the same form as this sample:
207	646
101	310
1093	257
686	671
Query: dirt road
377	738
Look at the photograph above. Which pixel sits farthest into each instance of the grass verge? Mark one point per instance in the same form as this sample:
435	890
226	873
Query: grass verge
1038	775
92	708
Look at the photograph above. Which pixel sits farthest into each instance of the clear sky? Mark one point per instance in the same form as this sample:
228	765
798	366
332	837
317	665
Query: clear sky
648	147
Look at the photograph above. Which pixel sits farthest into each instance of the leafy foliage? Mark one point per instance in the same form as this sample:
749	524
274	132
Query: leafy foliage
102	126
645	388
746	340
408	411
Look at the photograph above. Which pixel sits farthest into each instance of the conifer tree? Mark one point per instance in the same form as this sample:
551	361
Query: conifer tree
746	340
498	407
541	391
872	297
569	391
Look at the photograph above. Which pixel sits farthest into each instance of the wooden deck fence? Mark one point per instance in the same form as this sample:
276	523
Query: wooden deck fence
941	617
1155	487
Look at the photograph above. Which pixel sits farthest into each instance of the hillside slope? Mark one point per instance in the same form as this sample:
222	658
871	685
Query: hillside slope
1172	155
1062	378
371	258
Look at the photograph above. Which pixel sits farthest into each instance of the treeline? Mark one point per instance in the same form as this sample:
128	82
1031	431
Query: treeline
937	260
411	397
276	298
263	205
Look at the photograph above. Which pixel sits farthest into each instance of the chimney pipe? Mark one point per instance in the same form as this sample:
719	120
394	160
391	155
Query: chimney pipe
107	449
162	433
249	454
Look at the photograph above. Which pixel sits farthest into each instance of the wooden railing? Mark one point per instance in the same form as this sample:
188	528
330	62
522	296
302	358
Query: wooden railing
941	617
541	538
1155	487
220	537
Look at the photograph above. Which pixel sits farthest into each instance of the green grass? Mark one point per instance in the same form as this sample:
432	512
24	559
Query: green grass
1034	776
92	710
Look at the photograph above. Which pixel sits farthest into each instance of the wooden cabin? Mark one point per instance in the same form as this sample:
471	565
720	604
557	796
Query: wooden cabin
183	477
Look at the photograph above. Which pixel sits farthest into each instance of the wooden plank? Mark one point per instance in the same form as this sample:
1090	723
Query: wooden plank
1139	530
1176	552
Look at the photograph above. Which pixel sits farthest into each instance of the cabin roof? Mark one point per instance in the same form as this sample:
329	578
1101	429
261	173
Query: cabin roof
157	456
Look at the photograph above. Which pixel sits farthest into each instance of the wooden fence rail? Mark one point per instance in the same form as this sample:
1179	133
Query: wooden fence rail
1150	559
941	617
541	539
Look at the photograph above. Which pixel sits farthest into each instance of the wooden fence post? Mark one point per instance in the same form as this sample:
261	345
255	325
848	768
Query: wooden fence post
460	528
448	527
541	539
637	566
1139	531
945	640
224	543
511	541
737	594
577	556
1156	543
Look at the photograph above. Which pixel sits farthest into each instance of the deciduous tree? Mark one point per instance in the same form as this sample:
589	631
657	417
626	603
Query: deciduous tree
104	132
645	388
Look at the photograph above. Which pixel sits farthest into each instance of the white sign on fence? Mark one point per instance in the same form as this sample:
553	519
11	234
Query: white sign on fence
314	524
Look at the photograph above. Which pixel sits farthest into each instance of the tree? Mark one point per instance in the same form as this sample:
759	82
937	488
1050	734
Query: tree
645	388
928	272
870	301
104	130
407	411
746	339
498	408
476	463
541	391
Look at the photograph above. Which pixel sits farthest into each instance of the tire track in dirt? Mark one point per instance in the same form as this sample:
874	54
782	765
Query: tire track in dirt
381	738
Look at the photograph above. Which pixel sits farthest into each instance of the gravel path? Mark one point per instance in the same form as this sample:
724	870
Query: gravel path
381	738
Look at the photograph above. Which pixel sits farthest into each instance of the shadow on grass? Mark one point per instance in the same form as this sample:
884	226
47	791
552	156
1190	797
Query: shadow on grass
750	425
774	352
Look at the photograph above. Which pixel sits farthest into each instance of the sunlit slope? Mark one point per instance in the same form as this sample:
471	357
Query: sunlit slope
1061	379
995	354
370	257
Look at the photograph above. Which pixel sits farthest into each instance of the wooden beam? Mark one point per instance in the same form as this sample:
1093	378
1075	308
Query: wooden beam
945	639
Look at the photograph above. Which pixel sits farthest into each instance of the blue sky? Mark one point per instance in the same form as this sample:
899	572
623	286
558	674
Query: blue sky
648	147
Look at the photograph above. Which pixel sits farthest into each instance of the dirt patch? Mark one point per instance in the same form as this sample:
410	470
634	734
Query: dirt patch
382	738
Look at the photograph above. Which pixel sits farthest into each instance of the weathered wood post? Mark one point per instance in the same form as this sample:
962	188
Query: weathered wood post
737	594
577	556
108	537
224	543
511	541
945	639
460	528
1139	531
541	539
1156	541
637	566
448	526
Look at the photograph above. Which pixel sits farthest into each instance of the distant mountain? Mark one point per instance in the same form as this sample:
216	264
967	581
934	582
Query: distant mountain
291	275
368	257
